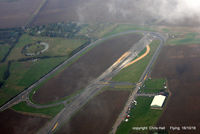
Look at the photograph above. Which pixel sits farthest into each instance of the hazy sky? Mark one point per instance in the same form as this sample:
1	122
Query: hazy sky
172	11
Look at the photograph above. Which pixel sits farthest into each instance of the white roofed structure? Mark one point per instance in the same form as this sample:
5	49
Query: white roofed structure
158	101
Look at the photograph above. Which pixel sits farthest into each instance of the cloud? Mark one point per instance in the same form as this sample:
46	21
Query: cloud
171	11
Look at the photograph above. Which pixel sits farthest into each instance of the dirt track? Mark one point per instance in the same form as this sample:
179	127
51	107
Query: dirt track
12	122
180	65
98	116
87	68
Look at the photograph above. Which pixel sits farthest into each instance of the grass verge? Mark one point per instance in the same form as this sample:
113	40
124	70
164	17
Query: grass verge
56	73
57	46
4	50
153	86
133	72
128	27
51	111
23	74
190	38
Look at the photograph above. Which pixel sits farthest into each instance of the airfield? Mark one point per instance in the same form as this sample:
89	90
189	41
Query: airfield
85	69
68	68
117	64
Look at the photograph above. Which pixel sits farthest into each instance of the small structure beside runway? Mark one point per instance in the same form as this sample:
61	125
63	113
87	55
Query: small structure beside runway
158	102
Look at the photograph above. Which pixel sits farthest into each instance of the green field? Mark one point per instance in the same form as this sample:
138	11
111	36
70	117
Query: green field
23	74
128	27
59	71
155	83
153	86
51	111
97	30
155	90
133	72
128	87
57	46
3	67
3	50
35	48
166	30
190	38
141	115
119	87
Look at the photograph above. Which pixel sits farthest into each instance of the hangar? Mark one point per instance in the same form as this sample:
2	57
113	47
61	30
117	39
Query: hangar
158	101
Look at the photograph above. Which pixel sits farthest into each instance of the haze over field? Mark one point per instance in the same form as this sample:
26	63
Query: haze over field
170	11
176	12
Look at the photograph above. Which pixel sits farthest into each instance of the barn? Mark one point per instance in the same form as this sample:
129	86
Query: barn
158	101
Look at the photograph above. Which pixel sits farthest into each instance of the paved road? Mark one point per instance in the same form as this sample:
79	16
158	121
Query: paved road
147	95
94	87
145	74
23	96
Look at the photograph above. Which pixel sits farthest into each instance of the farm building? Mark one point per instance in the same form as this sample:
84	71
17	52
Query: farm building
158	101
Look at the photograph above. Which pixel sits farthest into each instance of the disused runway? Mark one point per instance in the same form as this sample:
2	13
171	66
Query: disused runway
86	69
98	116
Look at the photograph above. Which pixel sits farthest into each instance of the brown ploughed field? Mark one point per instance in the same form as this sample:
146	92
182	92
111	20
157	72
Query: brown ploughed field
12	122
92	11
57	11
88	67
181	66
98	116
17	12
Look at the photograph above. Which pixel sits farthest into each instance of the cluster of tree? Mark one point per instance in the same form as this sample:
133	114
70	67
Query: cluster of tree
36	57
24	49
7	72
80	48
64	30
10	35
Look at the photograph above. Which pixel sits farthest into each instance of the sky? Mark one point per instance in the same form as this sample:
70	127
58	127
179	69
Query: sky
171	11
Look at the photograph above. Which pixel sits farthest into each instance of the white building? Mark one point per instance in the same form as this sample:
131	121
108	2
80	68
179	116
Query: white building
158	101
